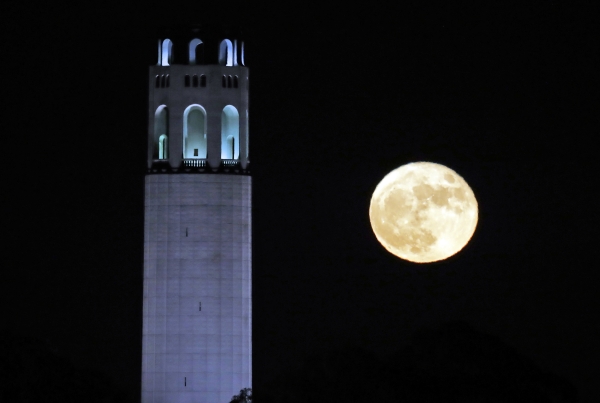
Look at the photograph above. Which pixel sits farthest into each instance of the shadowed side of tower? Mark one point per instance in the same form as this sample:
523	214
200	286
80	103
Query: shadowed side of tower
197	341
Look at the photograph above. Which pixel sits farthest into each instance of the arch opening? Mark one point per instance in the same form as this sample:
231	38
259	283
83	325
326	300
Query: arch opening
226	53
167	51
230	133
247	148
242	54
196	51
161	133
194	132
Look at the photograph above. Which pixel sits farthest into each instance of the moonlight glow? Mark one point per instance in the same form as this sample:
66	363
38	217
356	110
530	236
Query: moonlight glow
423	212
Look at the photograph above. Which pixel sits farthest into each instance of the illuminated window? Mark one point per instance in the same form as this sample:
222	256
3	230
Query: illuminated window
196	51
242	53
161	133
230	133
247	136
226	53
194	132
166	54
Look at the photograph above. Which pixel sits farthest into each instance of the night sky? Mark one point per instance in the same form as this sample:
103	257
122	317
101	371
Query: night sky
503	94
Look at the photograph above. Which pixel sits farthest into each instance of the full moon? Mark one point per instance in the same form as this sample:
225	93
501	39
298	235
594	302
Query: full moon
423	212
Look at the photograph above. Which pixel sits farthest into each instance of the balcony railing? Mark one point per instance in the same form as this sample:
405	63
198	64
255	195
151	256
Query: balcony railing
194	162
227	165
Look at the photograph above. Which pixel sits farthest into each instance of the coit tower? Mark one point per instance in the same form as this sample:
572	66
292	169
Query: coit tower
197	324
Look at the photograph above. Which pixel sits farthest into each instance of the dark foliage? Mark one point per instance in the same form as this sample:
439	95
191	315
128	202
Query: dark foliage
245	396
453	363
32	371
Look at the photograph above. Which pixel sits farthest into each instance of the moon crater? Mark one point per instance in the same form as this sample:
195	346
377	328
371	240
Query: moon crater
423	212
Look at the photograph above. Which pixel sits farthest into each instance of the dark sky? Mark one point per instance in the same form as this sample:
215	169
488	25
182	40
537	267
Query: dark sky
503	94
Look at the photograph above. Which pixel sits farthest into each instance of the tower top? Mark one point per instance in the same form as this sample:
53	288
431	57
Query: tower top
198	102
219	44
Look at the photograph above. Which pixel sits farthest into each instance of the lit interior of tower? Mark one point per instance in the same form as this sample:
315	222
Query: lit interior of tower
197	323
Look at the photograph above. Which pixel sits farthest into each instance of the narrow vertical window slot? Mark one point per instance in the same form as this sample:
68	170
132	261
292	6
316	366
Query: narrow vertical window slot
185	381
199	306
186	232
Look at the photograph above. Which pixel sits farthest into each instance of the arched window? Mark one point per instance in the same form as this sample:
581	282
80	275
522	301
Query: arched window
159	52
194	132
161	133
202	80
196	51
226	53
247	135
224	82
242	54
228	81
162	80
168	81
187	80
195	81
166	54
157	84
235	81
230	133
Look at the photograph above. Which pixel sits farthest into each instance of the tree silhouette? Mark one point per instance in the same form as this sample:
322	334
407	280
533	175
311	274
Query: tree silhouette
32	371
245	396
453	363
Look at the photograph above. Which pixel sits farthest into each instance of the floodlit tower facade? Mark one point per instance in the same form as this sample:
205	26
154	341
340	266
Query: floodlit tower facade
197	324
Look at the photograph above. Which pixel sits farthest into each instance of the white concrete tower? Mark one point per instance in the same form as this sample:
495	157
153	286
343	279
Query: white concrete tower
197	331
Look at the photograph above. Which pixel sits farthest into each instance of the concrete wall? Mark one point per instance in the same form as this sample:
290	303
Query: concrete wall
197	252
